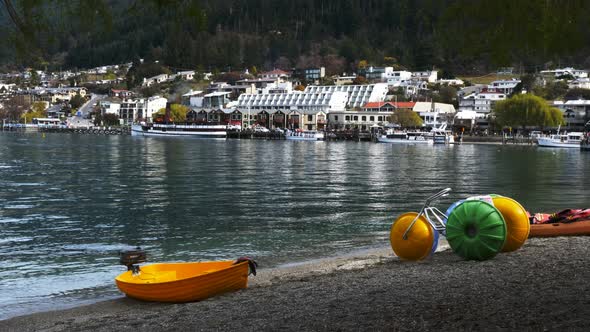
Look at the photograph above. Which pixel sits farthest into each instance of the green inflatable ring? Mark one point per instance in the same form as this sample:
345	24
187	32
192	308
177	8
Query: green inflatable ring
476	230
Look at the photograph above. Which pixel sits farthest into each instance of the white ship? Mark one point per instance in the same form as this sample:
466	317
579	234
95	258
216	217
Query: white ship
304	135
402	137
570	140
180	130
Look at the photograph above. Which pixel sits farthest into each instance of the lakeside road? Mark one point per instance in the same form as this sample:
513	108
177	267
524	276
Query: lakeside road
542	286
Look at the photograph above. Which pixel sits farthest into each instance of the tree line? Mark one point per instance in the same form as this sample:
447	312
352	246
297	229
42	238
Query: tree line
459	36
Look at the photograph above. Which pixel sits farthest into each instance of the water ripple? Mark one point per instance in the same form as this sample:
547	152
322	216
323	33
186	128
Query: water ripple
70	203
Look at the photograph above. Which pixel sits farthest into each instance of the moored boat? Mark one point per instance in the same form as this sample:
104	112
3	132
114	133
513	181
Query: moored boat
393	136
585	144
305	135
181	282
441	136
180	130
570	140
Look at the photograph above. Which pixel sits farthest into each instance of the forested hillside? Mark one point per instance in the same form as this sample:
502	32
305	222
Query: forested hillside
466	36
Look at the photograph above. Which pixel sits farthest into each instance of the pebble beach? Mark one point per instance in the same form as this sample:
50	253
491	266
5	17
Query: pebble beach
542	286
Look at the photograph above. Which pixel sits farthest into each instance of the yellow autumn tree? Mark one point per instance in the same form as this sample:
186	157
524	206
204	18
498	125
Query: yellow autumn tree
177	113
37	111
406	118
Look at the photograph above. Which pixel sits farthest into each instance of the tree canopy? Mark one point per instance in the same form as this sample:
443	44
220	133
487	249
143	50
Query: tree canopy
38	110
454	35
574	94
77	101
406	118
526	110
177	113
108	119
13	109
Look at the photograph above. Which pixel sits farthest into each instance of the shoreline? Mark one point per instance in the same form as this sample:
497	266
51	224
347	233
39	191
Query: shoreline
468	140
535	287
348	260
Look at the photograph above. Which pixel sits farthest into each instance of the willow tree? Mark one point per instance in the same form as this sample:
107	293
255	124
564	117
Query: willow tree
526	110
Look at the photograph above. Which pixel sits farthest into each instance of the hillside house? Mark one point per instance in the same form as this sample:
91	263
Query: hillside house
276	74
155	80
569	71
429	76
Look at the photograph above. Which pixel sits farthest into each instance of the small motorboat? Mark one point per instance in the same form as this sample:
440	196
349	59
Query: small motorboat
181	282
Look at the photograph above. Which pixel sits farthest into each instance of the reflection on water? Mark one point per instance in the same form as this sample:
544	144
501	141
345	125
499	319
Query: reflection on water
69	203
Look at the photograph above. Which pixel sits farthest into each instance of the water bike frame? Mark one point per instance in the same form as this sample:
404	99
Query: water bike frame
435	217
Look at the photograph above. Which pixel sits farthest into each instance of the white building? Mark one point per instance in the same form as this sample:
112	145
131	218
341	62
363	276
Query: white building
186	75
358	119
142	109
413	86
576	113
450	81
277	87
358	95
504	86
429	76
465	91
54	95
580	83
192	98
276	74
481	102
396	78
376	73
434	114
576	73
6	89
110	106
153	105
325	101
215	99
304	110
344	79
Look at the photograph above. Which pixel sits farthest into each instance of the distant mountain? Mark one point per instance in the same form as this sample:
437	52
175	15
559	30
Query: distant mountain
457	36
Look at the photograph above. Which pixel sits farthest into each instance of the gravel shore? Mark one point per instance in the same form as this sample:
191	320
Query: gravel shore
543	286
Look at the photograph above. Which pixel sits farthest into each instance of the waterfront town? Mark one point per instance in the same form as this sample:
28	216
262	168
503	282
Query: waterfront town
304	99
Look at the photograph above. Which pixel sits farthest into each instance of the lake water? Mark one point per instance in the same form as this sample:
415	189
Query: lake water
69	203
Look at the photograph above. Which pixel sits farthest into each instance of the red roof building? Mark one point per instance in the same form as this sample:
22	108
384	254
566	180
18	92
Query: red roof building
273	74
388	106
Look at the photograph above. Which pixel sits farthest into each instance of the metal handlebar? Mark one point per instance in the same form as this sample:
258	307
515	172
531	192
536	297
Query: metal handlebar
438	195
438	225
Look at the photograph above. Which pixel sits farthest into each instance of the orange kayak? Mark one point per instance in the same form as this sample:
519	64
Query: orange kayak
560	229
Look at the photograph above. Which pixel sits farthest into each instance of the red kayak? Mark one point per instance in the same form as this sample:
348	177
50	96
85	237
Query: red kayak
575	228
569	222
